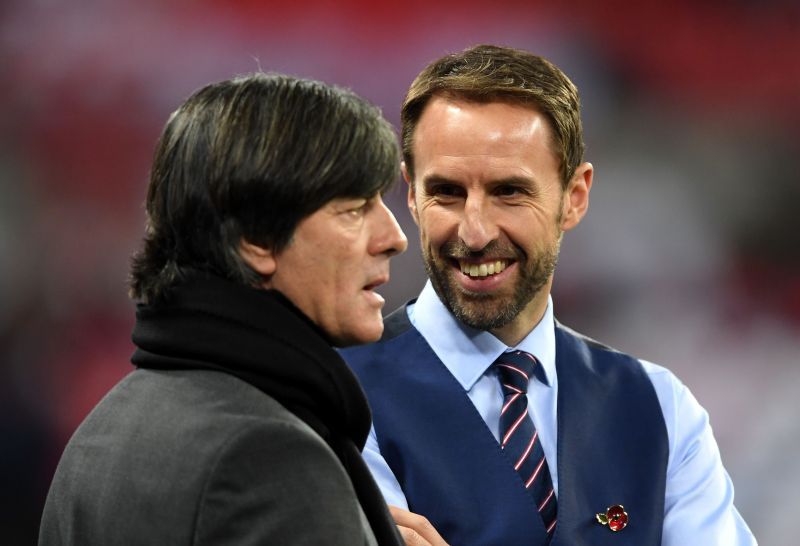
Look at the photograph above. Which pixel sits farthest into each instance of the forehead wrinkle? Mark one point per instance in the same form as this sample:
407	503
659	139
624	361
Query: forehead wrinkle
467	142
486	178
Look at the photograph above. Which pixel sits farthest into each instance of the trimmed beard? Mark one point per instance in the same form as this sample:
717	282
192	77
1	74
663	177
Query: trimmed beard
480	310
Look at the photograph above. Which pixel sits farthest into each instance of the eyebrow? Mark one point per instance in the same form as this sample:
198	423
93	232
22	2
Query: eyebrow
347	201
434	179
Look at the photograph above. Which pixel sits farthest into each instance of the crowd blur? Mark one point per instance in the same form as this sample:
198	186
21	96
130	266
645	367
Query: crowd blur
689	257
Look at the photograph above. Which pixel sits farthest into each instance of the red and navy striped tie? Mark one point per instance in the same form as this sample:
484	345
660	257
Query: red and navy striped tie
518	436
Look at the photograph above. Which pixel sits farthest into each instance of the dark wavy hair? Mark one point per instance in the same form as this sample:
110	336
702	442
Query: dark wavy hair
249	158
487	73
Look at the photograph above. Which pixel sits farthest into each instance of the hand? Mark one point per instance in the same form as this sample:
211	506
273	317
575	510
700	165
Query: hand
416	530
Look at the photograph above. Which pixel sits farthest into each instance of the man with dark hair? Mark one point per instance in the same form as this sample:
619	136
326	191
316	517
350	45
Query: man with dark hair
265	241
494	423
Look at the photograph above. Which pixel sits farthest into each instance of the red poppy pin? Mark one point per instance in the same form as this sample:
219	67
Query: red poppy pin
615	517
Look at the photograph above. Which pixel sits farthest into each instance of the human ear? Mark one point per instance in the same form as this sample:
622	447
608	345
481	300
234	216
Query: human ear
576	196
412	195
261	259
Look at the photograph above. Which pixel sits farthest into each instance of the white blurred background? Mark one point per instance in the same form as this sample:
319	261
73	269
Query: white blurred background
689	256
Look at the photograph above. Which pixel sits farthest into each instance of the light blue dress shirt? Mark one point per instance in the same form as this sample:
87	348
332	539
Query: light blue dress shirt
698	507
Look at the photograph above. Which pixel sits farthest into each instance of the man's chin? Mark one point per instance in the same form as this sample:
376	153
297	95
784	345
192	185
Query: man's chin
368	330
482	312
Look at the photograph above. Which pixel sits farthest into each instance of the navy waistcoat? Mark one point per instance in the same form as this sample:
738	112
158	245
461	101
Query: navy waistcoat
612	444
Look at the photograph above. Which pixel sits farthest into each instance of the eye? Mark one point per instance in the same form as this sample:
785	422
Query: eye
446	190
507	190
357	211
360	207
349	208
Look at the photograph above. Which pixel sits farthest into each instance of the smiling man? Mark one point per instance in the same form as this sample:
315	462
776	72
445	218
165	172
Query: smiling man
493	423
266	239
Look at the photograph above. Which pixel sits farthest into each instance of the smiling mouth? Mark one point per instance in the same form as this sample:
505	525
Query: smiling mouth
486	269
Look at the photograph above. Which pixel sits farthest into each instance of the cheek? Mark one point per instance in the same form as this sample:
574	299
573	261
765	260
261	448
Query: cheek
437	228
345	274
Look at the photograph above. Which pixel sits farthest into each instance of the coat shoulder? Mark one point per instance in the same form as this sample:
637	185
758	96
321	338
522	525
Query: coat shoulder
205	444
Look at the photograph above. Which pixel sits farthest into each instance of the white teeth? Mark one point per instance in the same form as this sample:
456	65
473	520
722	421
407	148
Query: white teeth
482	270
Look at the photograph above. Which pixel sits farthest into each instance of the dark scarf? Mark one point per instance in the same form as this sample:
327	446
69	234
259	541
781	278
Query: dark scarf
208	323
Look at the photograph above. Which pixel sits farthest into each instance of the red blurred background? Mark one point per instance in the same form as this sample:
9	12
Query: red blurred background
689	256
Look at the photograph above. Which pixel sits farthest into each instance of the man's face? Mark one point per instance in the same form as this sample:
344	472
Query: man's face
335	260
488	200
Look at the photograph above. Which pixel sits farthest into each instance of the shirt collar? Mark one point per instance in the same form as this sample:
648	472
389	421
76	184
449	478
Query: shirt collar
468	352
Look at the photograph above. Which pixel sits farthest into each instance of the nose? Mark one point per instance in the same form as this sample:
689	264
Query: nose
388	238
476	228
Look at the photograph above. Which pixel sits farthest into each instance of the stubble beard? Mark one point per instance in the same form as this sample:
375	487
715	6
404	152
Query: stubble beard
481	310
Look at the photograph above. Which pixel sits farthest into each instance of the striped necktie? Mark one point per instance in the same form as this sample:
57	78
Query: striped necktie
519	438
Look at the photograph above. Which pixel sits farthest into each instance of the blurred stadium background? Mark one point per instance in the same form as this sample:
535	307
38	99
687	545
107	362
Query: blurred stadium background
689	257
